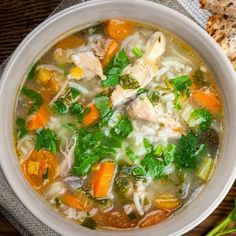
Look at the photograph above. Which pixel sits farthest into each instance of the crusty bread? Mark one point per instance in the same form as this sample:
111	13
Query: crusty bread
223	29
225	7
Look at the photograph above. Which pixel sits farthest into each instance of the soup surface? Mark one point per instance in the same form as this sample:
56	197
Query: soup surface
118	125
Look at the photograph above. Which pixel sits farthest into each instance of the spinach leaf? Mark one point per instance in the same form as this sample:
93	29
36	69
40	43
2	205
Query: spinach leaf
21	127
182	83
204	116
75	108
46	139
37	100
115	68
128	82
188	151
199	78
123	128
60	106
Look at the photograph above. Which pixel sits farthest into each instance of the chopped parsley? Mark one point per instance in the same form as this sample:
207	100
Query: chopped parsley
204	117
21	127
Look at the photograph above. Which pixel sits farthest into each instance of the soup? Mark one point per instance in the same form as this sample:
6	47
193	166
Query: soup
118	125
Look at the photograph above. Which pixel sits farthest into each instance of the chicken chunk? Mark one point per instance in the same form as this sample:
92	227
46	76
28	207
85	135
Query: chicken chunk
89	63
143	69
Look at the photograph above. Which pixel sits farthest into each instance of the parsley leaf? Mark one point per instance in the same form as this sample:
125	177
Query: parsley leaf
46	139
128	82
75	108
21	125
131	155
115	68
123	128
181	83
199	78
60	106
204	116
188	151
35	97
102	103
168	153
148	146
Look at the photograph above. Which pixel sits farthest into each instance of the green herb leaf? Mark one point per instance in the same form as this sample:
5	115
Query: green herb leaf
199	78
123	128
115	68
159	150
32	72
128	82
148	146
132	156
204	116
131	215
46	139
75	108
141	91
21	127
137	52
103	105
181	83
154	97
60	106
35	97
74	93
188	151
168	153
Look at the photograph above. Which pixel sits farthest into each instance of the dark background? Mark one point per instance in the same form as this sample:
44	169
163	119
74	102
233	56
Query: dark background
17	19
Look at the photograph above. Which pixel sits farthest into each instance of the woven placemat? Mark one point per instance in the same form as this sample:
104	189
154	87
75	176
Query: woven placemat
10	206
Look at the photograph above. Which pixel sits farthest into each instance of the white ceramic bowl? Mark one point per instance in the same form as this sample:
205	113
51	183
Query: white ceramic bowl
139	10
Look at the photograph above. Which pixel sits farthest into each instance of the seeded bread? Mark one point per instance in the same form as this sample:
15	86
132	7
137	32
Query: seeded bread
223	29
225	7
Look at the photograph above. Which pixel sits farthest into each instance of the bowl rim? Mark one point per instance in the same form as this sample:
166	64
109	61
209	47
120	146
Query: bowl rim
82	6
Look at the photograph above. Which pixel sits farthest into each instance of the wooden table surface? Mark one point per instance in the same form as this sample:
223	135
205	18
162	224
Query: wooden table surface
17	19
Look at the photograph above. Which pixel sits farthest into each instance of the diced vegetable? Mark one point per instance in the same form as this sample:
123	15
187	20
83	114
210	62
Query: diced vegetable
101	180
167	202
129	82
72	201
76	72
199	78
35	166
92	116
188	151
72	41
112	49
115	68
46	140
44	75
137	52
35	97
39	119
21	127
75	108
203	116
153	218
103	105
206	169
207	100
60	106
182	83
118	29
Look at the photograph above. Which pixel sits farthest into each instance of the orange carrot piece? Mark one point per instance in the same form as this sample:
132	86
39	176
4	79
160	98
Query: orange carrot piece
71	41
112	49
101	179
92	116
39	119
72	201
118	29
46	163
207	100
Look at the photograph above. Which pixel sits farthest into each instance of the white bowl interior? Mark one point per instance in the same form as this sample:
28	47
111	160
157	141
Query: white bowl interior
139	10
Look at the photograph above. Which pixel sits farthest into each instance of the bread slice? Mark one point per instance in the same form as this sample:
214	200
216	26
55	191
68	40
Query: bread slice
223	29
225	7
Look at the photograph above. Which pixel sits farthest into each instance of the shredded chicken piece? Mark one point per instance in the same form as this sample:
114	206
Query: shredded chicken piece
89	63
143	69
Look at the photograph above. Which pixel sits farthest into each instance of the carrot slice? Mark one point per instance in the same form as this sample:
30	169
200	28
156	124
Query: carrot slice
71	41
112	49
38	167
39	119
118	29
92	116
207	100
72	201
101	179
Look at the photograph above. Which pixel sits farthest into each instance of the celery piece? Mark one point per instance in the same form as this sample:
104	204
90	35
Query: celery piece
206	169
